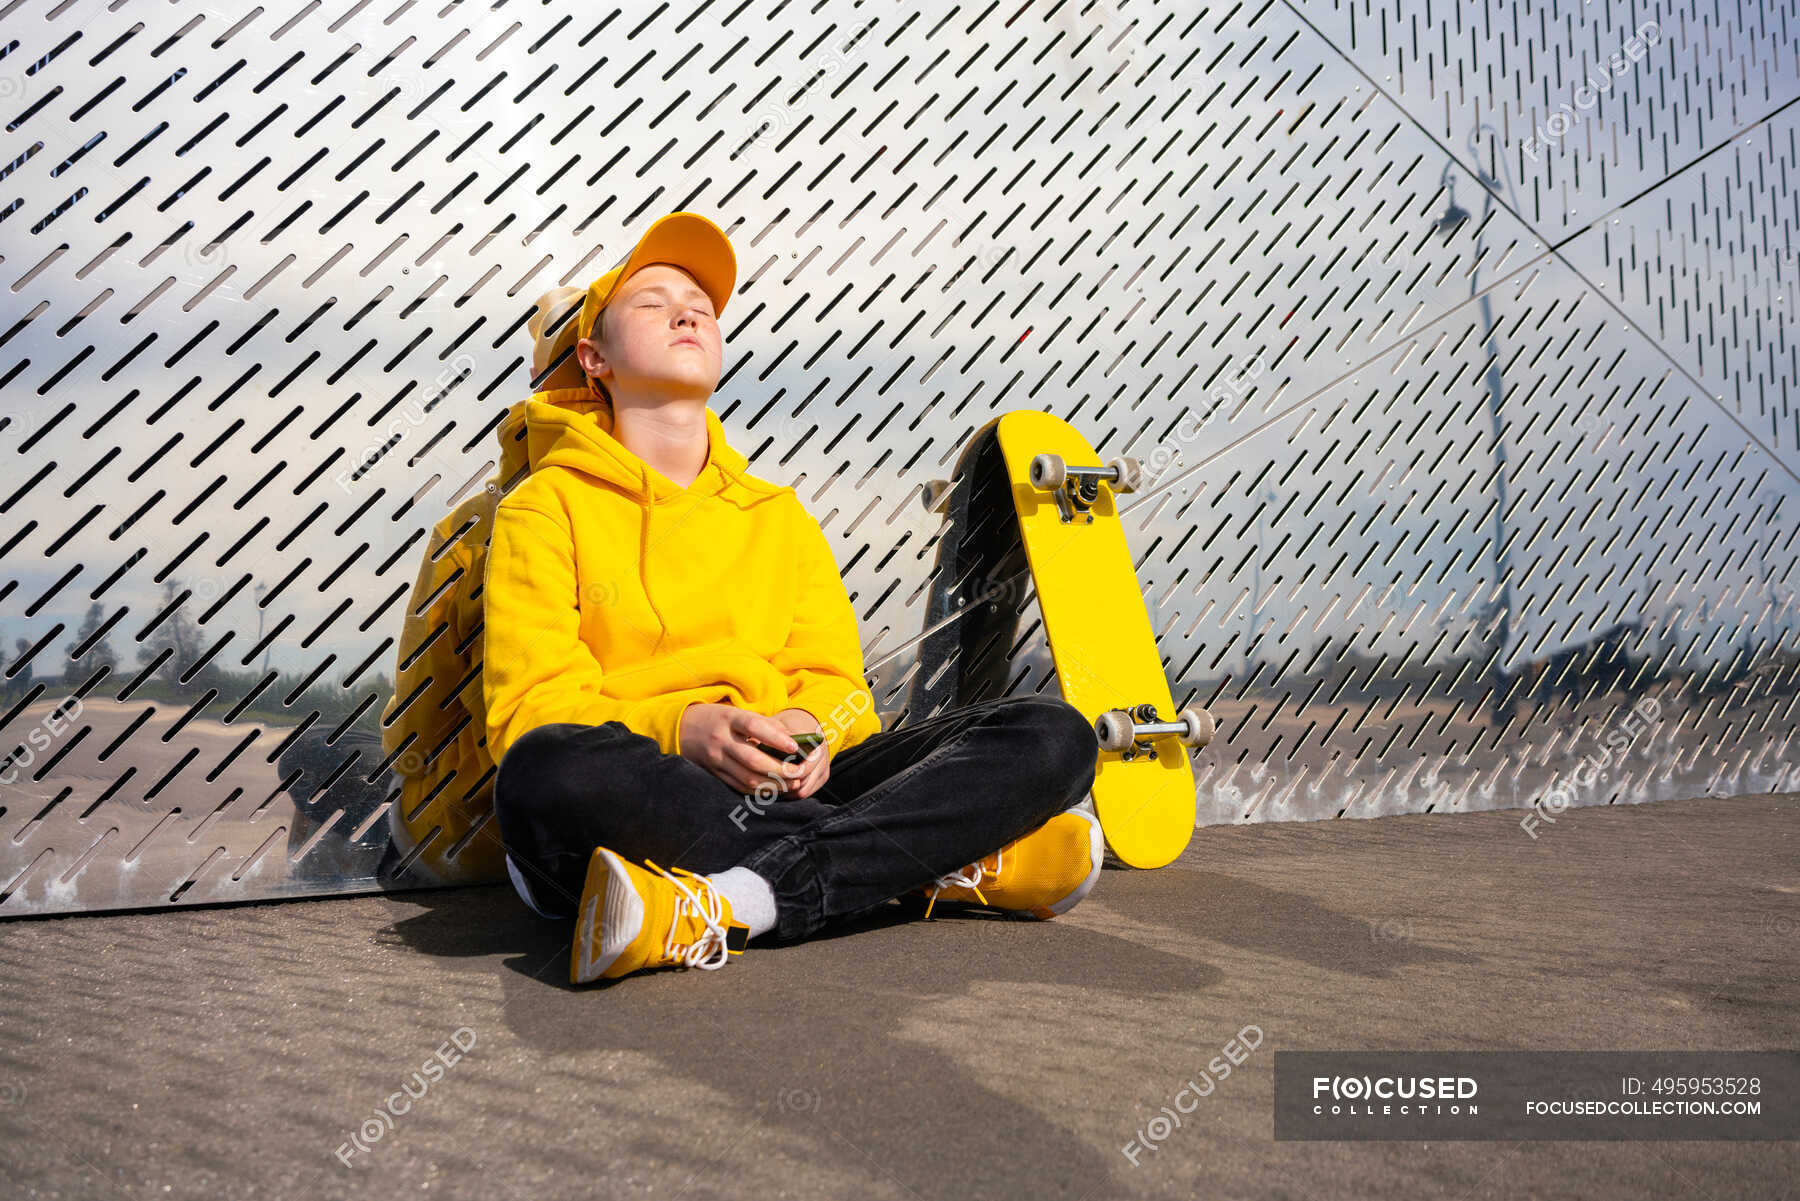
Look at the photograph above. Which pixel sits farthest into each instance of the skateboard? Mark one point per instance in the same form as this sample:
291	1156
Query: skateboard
1065	529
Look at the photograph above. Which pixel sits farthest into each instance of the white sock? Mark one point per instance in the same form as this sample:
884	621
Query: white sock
752	900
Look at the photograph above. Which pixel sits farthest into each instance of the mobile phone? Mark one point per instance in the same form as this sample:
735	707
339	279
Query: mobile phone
808	743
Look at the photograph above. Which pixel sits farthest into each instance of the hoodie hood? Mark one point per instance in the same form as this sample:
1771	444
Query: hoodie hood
516	458
568	428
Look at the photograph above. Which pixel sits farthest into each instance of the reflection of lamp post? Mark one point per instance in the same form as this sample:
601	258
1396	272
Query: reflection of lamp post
1501	606
260	614
1255	624
1753	637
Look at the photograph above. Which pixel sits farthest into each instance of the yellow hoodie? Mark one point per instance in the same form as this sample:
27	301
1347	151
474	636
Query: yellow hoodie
615	595
435	721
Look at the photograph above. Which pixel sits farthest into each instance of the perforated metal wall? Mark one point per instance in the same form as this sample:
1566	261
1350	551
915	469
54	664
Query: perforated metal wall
1456	336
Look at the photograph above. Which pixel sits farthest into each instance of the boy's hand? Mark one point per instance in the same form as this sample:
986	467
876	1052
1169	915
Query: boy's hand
730	743
818	764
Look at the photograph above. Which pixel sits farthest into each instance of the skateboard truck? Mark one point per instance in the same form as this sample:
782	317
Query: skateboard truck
1077	488
1129	730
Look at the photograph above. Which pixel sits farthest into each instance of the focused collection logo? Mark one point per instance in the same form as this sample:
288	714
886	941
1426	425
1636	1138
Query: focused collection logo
1405	1096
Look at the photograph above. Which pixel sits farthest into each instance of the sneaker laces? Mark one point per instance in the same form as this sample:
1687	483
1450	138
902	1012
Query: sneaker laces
708	950
969	877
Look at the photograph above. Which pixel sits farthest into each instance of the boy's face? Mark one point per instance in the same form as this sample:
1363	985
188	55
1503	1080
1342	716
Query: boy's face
661	339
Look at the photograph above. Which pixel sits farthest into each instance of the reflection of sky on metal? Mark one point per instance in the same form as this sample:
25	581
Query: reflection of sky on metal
512	242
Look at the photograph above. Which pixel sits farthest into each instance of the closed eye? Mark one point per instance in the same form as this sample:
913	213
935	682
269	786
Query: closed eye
648	303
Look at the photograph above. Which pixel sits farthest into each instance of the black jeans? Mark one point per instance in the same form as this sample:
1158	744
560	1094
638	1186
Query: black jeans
900	808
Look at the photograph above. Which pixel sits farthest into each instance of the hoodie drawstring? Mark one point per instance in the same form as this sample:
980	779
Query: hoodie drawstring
644	550
565	428
644	560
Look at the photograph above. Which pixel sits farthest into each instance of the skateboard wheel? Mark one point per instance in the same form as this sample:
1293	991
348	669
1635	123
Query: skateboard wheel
1200	727
1048	471
1128	474
1114	730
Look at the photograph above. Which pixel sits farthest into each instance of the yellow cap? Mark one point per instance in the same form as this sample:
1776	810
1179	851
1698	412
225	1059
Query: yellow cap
548	344
685	240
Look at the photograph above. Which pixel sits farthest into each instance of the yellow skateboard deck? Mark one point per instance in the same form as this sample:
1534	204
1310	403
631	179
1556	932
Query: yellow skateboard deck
1100	636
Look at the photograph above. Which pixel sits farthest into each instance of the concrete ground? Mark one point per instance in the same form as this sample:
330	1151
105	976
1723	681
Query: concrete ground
233	1051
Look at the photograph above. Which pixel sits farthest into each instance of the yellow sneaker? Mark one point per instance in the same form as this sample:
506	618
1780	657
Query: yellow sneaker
1043	874
633	918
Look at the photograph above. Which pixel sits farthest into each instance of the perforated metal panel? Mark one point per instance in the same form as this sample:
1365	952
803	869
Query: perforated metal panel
1455	338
